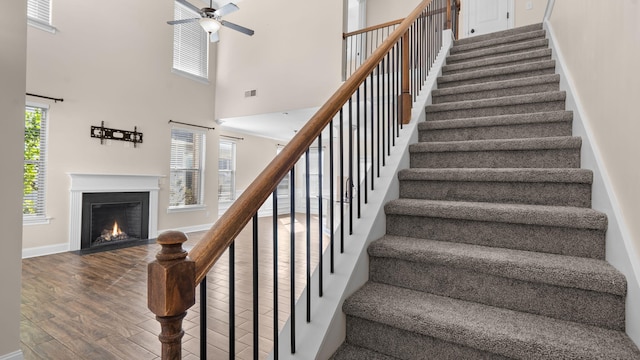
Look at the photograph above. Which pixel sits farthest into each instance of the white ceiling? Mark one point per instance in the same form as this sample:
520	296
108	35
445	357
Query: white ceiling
280	126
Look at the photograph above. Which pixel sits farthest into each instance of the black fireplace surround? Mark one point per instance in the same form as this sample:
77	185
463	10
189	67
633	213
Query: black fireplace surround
113	220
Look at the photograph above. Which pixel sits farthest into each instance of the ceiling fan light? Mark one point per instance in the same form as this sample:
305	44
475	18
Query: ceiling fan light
209	25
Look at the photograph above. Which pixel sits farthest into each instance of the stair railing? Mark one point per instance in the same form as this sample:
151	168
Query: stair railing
367	112
360	44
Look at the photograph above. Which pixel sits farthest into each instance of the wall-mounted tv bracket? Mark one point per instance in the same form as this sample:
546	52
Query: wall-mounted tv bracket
104	133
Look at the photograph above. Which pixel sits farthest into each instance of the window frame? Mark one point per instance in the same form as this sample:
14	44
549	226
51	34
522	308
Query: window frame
232	171
182	39
200	170
39	22
40	217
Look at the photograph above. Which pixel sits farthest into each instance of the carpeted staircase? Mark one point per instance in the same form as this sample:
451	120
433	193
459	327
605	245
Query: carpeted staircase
492	250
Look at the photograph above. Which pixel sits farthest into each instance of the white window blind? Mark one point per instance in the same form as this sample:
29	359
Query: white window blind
187	167
190	44
227	171
39	10
35	148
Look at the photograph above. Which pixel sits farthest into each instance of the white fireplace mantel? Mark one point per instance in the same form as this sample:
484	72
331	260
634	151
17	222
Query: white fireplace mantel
86	183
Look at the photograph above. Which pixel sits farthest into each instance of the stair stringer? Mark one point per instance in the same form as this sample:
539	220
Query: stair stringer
620	249
327	330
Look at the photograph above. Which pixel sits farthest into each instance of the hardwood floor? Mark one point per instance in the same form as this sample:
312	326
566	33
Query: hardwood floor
95	306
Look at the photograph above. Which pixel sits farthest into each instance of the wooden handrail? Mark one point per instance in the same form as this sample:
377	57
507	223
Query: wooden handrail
174	275
214	243
372	28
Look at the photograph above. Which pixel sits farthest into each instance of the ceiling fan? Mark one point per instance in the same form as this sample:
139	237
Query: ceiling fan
210	19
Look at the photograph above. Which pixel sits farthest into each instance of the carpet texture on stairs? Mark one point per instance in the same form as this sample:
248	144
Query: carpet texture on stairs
492	250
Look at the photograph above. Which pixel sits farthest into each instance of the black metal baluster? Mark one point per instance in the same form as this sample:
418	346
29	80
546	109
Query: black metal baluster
350	185
320	227
358	165
203	318
382	119
378	101
308	232
364	148
389	135
292	258
276	326
372	132
342	195
255	287
331	199
392	95
232	301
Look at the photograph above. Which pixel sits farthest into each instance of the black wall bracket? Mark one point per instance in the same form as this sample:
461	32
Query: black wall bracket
104	133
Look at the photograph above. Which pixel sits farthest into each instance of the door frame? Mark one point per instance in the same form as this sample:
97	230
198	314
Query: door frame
465	26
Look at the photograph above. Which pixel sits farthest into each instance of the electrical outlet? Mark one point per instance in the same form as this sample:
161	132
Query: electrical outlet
529	5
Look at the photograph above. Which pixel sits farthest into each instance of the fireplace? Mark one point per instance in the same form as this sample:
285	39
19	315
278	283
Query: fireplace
100	200
114	219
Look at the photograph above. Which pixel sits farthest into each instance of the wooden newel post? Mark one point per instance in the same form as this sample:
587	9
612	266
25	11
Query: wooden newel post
171	291
405	97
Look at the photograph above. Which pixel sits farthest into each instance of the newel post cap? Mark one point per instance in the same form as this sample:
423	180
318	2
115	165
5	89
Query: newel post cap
171	277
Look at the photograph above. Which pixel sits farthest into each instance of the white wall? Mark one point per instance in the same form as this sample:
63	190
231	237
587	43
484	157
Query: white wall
13	41
293	61
529	12
599	41
381	11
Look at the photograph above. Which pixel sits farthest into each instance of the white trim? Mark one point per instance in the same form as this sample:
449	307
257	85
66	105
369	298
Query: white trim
41	26
16	355
620	250
186	208
44	250
189	229
81	183
187	75
549	10
320	338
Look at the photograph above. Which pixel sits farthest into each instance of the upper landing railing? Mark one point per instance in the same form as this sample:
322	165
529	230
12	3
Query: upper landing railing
357	126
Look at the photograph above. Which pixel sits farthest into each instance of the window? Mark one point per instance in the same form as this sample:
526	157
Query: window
315	155
283	186
187	168
39	14
35	146
227	171
190	44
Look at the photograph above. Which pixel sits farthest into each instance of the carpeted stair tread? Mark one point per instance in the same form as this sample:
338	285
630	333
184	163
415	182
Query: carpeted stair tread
353	352
445	80
498	34
531	56
500	331
502	50
511	119
553	216
506	87
580	176
516	38
567	271
560	142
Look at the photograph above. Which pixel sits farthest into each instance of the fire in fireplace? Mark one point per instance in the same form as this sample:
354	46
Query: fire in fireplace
114	218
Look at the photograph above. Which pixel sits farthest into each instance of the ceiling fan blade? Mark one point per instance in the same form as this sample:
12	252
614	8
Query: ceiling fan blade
188	5
237	27
227	9
214	37
174	22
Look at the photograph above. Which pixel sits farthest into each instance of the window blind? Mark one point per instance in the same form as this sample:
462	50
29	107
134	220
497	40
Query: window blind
187	165
226	171
39	10
190	44
34	180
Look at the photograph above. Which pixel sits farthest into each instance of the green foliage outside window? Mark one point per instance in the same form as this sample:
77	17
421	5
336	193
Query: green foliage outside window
32	126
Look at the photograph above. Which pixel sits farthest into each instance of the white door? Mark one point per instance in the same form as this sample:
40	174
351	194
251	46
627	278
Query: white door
487	16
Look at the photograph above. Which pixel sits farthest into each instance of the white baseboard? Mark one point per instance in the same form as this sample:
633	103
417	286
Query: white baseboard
620	250
16	355
188	229
44	250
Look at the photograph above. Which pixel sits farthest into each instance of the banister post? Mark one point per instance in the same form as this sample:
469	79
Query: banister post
448	14
171	291
405	97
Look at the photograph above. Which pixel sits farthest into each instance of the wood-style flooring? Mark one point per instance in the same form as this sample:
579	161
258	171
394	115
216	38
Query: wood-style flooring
95	306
